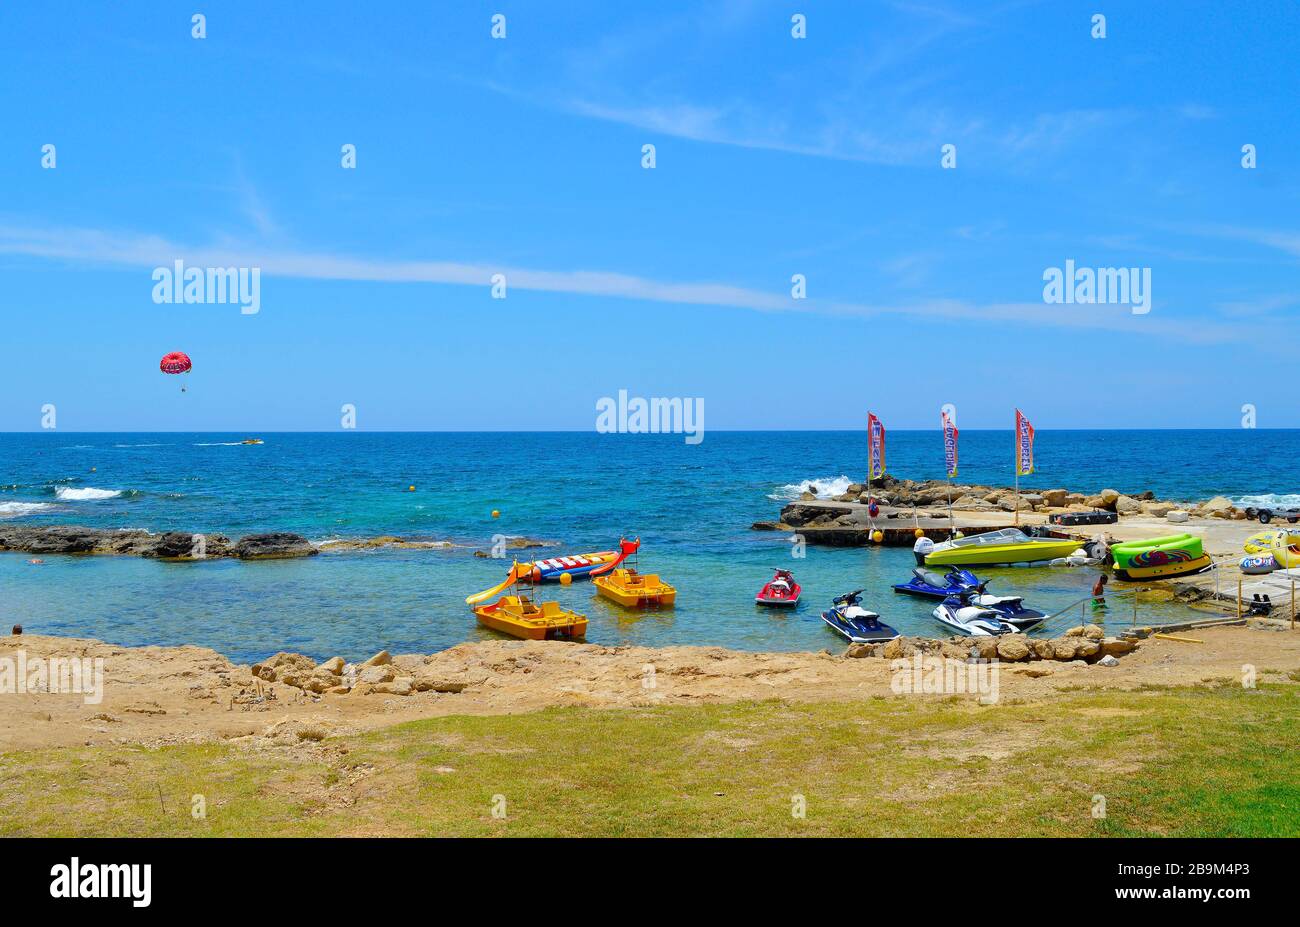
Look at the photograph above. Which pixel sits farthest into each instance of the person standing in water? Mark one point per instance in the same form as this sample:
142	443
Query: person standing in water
1099	593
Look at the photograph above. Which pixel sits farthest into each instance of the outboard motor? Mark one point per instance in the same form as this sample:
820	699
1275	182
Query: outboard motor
921	548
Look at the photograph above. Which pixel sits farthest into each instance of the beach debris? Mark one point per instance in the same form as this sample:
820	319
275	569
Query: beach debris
1178	637
1108	660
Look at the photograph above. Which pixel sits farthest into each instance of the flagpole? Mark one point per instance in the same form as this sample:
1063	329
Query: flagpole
1015	456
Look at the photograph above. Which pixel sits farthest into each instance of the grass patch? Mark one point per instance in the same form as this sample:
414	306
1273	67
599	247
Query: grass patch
1205	761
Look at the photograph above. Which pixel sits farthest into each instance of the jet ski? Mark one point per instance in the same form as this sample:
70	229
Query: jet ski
781	589
957	581
958	613
1010	608
849	619
938	585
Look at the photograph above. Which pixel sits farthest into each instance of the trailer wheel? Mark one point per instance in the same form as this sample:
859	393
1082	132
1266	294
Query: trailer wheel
1265	516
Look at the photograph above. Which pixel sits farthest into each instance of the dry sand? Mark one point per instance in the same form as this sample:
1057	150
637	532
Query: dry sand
161	695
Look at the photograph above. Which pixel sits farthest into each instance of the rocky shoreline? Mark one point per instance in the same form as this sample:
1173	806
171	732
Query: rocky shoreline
190	546
930	499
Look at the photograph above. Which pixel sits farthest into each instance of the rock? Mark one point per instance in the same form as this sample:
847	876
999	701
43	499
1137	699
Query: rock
1109	496
66	539
1043	650
446	684
338	690
273	546
859	651
1085	648
986	647
807	496
1108	660
1064	647
897	649
1056	497
296	660
1177	516
1219	506
333	666
1127	505
1075	498
764	526
1012	649
1113	646
1076	631
1093	632
396	687
375	675
1158	509
383	658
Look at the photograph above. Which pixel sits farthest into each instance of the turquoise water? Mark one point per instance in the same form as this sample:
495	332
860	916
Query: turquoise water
691	505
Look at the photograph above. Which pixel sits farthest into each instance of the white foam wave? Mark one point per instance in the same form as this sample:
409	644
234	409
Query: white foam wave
220	444
1272	499
68	494
19	509
827	487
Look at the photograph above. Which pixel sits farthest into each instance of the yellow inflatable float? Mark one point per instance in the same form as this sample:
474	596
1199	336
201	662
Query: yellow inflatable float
1284	545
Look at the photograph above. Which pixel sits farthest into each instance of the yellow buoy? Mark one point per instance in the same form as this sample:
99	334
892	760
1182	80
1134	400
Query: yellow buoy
496	513
566	579
877	535
410	489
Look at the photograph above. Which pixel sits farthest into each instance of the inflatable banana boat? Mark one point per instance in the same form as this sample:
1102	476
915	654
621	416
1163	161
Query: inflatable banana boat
1160	558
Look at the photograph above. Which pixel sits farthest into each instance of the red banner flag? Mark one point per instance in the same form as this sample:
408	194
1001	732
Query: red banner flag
875	447
949	442
1024	445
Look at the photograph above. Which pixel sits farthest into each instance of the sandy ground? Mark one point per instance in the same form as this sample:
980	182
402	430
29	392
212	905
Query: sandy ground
161	695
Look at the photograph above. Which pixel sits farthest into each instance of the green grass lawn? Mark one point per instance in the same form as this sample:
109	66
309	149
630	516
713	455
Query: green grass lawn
1178	762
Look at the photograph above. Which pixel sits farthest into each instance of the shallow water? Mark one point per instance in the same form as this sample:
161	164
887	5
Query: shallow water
691	505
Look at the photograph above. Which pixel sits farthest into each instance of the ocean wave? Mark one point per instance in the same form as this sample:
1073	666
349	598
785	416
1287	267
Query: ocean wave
67	494
1267	500
19	509
827	487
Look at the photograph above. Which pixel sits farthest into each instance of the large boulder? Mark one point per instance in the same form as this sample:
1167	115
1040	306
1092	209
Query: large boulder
1056	498
1127	505
1218	507
1013	648
273	546
1177	516
1158	509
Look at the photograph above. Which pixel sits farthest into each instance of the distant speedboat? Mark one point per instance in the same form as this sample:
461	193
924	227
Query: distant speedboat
859	626
252	441
1009	545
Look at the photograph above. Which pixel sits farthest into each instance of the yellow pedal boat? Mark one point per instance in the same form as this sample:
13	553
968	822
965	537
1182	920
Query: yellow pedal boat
630	588
519	616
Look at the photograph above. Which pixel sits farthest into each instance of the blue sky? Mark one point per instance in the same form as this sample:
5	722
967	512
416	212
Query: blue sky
775	157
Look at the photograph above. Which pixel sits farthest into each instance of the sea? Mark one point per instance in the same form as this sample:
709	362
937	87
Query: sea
690	504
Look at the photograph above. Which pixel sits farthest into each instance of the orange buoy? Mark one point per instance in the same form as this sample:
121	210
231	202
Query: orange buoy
496	513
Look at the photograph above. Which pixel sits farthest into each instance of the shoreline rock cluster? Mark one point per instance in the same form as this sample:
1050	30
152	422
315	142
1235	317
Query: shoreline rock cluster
931	498
187	546
166	545
382	674
1088	643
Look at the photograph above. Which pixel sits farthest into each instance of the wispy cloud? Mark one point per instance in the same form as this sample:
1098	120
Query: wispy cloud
95	248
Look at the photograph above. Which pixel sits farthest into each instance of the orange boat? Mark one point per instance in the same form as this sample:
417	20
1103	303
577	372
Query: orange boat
519	616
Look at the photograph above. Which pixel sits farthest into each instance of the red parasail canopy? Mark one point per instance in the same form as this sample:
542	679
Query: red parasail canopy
175	362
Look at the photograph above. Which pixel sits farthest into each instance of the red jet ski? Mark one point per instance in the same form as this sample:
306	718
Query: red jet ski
780	590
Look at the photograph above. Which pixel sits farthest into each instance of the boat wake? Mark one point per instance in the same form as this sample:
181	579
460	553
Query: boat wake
827	487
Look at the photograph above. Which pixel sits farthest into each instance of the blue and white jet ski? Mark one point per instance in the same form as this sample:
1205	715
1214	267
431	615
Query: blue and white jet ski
849	619
958	582
938	585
